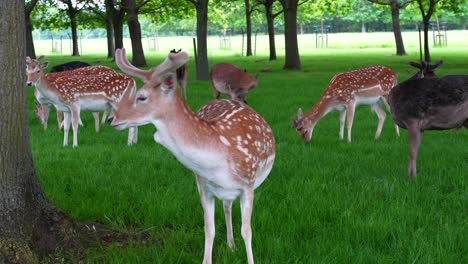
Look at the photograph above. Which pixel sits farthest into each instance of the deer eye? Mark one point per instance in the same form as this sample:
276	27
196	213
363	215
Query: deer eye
141	98
38	71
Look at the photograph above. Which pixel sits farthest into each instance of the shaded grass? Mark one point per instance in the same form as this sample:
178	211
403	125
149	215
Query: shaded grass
326	202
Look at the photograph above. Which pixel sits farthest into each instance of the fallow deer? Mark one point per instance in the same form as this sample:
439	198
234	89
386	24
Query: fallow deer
228	79
426	70
94	89
365	86
430	103
229	147
43	106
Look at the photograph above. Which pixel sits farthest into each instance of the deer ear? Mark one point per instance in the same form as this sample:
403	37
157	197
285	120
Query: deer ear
294	122
416	65
437	64
28	60
299	113
40	58
169	82
44	65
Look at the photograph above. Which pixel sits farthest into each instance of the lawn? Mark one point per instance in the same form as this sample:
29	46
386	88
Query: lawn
324	202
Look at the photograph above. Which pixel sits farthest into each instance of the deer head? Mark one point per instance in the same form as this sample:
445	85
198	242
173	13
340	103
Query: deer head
426	70
34	69
303	126
151	101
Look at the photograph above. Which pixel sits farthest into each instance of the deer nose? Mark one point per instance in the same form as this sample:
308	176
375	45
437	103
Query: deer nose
29	83
110	119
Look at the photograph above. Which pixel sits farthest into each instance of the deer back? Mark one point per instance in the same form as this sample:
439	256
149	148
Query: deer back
226	77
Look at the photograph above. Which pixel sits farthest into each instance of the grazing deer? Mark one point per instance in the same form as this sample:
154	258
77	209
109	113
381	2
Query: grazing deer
94	89
366	86
43	105
229	147
228	79
430	103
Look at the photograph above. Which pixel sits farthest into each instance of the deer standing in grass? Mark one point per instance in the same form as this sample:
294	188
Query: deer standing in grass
366	86
43	105
94	89
228	79
428	102
229	147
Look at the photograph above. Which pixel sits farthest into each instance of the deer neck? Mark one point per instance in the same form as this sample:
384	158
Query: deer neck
186	135
318	111
47	89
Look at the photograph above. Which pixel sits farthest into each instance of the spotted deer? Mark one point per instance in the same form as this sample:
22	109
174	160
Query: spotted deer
365	86
228	79
229	147
94	89
43	105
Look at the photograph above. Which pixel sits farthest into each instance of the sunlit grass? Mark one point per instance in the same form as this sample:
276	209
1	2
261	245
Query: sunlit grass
325	202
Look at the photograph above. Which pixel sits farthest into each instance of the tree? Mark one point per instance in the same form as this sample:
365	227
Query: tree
270	16
29	7
395	6
29	223
249	9
132	7
117	12
292	59
73	8
104	12
364	13
202	54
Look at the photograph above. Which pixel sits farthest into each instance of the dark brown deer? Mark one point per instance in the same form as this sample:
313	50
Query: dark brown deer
227	79
426	70
426	102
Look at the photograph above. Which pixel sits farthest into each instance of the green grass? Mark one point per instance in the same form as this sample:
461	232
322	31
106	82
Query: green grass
325	202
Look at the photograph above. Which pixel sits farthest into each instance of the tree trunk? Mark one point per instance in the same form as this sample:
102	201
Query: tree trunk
72	15
400	47
138	55
117	20
30	51
427	55
27	219
248	21
292	60
271	29
109	30
202	56
118	34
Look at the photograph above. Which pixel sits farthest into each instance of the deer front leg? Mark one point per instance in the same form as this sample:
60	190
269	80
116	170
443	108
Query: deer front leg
381	115
208	205
227	205
132	136
66	127
75	119
385	101
342	123
350	118
45	115
415	136
59	119
246	204
96	121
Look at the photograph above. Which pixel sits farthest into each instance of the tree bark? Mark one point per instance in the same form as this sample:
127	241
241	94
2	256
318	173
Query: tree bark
400	47
117	20
292	60
30	51
248	21
138	55
268	4
27	218
202	22
109	30
72	11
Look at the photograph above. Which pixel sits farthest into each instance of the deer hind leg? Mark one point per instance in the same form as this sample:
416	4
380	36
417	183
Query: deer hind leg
415	136
104	116
246	204
227	205
350	117
75	120
381	115
342	123
66	127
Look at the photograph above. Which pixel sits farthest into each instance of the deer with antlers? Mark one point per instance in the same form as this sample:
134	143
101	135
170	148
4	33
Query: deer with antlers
94	89
229	147
365	86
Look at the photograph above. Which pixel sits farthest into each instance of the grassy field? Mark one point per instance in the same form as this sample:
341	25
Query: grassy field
325	202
